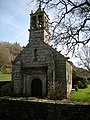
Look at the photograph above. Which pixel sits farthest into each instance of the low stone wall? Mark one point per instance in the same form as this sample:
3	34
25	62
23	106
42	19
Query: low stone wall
24	109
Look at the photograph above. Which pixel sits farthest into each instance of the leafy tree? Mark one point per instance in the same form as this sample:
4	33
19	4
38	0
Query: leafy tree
84	57
71	24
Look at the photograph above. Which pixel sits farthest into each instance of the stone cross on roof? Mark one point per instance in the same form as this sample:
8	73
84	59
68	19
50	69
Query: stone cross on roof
39	8
39	4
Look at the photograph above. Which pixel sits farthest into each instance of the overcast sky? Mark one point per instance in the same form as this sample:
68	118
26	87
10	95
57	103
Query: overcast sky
14	20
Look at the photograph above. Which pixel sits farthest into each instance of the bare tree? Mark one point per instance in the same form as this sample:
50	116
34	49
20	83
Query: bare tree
8	52
71	24
84	57
4	56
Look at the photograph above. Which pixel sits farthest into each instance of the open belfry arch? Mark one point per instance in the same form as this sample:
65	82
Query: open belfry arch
38	67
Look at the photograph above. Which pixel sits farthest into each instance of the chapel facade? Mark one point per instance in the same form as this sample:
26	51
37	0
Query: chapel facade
37	69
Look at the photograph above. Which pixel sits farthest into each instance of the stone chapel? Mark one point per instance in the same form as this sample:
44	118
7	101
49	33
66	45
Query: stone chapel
37	69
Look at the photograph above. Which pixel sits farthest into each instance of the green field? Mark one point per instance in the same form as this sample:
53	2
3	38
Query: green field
82	95
5	77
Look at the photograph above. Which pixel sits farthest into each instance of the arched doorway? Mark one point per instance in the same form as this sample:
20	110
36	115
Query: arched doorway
36	88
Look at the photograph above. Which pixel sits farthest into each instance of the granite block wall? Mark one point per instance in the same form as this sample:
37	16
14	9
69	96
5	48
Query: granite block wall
42	110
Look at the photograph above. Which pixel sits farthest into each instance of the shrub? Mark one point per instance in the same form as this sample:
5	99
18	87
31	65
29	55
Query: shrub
6	89
57	93
80	81
88	79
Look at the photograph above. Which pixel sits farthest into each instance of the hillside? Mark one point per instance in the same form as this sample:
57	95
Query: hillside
81	71
8	52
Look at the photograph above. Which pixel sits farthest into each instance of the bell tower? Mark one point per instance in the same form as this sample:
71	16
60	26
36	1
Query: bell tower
39	27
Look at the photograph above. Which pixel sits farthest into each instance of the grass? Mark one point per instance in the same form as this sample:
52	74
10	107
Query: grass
5	77
82	95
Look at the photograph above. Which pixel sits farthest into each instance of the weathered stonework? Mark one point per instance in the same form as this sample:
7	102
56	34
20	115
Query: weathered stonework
40	64
25	109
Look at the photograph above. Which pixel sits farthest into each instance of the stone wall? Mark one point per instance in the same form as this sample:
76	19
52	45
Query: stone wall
25	69
22	109
60	73
46	57
68	78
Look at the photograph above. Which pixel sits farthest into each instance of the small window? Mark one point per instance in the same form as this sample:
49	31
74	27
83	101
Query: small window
35	55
